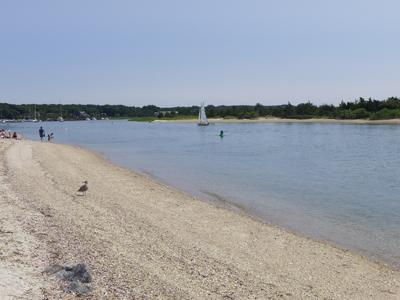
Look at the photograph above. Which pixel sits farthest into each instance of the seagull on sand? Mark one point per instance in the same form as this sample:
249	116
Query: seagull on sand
83	188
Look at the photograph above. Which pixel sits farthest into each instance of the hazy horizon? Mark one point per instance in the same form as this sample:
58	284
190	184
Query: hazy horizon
179	53
184	105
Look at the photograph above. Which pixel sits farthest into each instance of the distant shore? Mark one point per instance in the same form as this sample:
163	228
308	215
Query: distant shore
142	239
280	120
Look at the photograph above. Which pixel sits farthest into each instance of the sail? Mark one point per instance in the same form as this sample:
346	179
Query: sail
202	115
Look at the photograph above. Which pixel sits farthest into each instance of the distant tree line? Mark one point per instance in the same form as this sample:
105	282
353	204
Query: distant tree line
358	109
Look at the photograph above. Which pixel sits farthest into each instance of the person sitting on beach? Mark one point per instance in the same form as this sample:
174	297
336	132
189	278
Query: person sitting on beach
50	137
15	136
5	134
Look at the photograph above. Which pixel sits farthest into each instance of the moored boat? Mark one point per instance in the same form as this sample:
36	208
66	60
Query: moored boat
203	121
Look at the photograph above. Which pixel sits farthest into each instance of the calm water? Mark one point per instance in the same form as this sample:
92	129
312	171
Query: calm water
339	183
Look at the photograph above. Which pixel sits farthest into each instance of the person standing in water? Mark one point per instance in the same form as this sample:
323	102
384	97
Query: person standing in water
41	133
221	134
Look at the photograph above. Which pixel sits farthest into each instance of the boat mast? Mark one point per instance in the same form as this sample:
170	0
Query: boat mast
199	119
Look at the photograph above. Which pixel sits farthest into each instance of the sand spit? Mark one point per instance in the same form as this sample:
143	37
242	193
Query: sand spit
280	120
141	239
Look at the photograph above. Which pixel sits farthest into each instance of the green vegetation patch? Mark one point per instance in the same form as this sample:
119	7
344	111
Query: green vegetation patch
142	119
179	117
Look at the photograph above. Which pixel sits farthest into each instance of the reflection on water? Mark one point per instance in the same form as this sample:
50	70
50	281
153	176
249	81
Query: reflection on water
329	181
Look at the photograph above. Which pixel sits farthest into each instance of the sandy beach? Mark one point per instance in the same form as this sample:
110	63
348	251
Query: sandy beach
280	120
143	240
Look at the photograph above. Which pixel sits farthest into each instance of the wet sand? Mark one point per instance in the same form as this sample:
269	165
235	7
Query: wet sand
142	239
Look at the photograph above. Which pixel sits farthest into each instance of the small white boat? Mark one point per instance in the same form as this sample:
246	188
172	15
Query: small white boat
60	118
35	119
202	116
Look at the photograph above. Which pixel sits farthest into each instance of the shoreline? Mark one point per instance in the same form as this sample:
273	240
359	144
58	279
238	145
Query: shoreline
198	249
280	120
221	202
225	203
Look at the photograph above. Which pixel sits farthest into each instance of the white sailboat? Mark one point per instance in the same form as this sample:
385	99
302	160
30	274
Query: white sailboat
202	116
35	119
60	118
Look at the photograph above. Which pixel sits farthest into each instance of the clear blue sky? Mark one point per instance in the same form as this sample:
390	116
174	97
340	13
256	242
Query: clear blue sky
183	52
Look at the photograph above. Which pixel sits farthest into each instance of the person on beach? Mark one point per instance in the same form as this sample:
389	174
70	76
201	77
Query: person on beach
50	137
41	133
5	134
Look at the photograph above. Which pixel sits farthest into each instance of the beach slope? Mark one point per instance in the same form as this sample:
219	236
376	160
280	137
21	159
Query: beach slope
142	239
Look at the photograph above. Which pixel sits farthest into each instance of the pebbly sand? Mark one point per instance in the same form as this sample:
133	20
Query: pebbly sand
143	240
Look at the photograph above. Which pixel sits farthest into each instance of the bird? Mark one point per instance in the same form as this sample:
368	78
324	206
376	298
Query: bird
84	188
